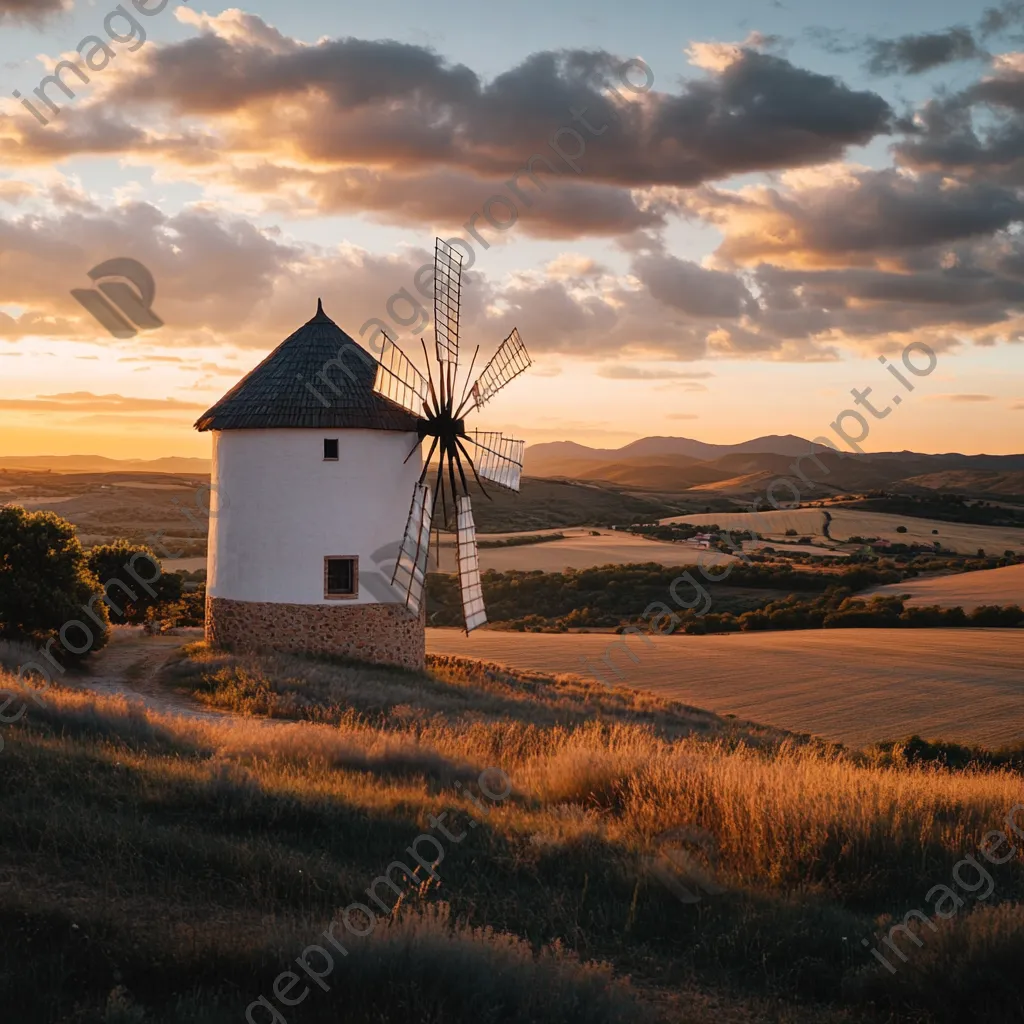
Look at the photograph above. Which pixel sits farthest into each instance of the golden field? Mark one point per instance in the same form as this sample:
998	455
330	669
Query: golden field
966	590
855	686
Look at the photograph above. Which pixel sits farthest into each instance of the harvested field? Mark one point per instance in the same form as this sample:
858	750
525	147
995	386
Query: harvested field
963	538
794	549
968	590
581	550
855	686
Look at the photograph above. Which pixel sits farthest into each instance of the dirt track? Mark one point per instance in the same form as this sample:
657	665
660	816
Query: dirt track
129	665
855	686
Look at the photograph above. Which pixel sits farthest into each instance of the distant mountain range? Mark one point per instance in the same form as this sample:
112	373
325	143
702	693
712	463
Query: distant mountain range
101	464
699	451
678	464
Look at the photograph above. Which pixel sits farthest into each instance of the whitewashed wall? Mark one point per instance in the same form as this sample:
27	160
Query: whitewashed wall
280	509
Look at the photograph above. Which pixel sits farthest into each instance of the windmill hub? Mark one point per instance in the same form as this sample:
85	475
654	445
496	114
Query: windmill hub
443	426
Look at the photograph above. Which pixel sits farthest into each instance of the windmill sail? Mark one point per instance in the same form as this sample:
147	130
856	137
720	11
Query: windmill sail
506	364
497	459
399	379
411	568
469	568
447	301
492	457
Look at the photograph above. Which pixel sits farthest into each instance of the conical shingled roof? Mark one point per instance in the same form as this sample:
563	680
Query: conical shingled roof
275	394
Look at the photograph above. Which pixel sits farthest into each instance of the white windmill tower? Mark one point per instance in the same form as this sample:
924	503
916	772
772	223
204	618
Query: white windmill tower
315	454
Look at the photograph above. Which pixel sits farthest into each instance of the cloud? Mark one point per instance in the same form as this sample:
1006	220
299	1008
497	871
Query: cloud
693	289
396	131
915	54
977	133
623	371
85	401
998	19
963	398
839	214
34	11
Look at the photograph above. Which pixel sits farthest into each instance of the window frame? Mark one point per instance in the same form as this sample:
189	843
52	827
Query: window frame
354	559
336	441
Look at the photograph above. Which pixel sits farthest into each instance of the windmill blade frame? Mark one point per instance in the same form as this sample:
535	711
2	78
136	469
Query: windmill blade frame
447	301
498	459
470	585
410	575
505	365
400	380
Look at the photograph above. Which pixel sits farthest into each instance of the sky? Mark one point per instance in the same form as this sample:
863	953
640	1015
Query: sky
736	209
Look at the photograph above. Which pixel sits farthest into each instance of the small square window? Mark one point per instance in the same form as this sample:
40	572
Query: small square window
341	578
330	449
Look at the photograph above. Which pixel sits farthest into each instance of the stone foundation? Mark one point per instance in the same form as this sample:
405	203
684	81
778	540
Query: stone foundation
387	634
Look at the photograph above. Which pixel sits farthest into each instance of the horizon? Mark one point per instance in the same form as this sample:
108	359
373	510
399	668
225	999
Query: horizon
564	440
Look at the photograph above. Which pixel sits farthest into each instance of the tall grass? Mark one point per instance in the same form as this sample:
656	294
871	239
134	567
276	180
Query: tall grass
198	850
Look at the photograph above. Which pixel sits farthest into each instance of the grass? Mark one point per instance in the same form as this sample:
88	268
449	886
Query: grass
163	869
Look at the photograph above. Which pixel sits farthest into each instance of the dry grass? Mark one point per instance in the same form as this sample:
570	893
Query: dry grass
203	854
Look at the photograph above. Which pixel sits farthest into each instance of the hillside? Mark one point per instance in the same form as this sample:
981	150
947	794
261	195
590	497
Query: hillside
1010	484
544	504
604	857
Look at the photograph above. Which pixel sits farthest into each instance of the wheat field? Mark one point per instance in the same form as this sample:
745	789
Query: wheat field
851	686
968	590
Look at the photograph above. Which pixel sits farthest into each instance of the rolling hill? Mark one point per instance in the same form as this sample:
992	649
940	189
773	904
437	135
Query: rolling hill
551	458
666	465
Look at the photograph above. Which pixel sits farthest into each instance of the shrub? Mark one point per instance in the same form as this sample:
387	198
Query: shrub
45	580
115	562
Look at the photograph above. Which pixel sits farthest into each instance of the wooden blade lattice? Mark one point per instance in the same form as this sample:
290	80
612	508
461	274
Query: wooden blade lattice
469	568
400	380
410	573
497	459
447	301
506	364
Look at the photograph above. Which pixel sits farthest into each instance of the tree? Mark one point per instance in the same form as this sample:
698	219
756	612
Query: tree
125	564
46	583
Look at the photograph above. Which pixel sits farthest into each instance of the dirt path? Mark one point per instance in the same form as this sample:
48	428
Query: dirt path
129	667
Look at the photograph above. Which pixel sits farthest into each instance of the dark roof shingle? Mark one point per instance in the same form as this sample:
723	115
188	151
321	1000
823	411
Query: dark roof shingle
275	393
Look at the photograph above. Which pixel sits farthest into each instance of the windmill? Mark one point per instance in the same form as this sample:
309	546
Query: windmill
490	455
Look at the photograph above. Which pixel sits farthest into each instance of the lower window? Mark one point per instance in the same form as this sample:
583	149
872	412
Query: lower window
341	577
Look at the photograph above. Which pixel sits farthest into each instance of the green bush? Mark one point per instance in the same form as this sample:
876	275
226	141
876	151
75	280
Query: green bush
46	582
116	562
